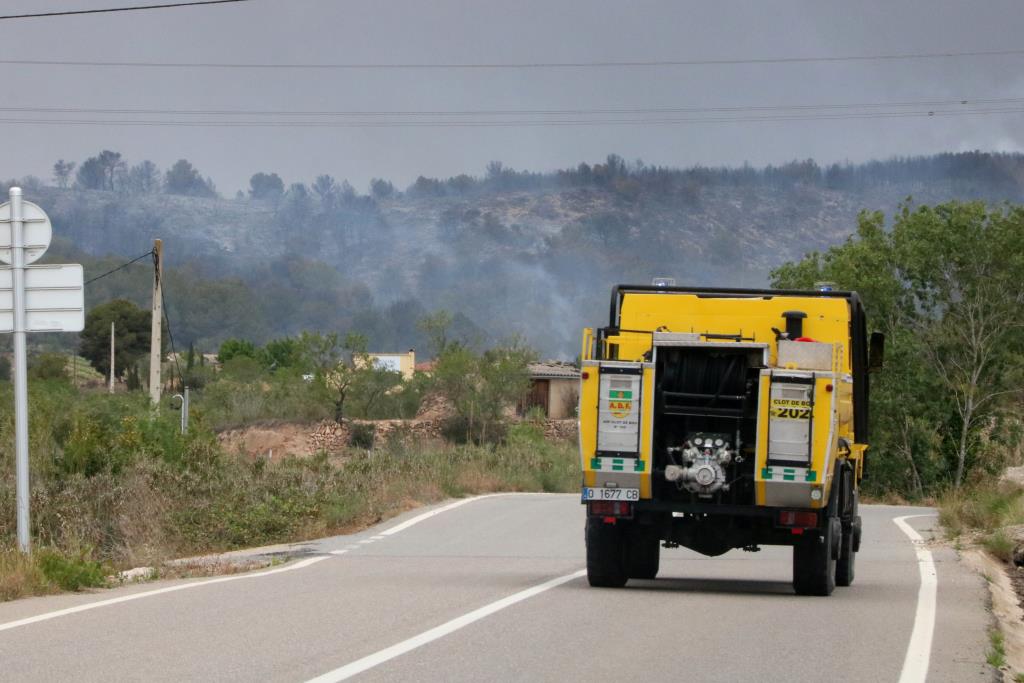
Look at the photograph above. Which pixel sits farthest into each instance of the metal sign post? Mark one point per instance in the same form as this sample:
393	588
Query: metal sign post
20	370
32	299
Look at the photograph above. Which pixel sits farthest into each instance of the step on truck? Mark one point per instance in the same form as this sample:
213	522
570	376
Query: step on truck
718	419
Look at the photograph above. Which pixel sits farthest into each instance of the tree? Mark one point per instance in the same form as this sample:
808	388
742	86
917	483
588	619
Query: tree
132	335
234	348
296	209
436	325
110	163
326	189
480	387
90	175
279	354
62	172
944	285
337	372
266	186
183	178
382	189
143	178
371	383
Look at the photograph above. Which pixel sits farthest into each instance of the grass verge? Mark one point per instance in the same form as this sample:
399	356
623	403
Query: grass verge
996	655
128	493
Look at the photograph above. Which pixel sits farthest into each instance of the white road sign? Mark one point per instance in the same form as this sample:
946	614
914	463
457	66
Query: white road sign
54	298
38	232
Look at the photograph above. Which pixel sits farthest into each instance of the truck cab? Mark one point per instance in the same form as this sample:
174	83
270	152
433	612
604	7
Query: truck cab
718	419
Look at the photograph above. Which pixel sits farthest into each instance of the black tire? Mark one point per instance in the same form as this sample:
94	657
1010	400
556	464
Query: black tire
849	544
606	554
814	564
644	555
847	558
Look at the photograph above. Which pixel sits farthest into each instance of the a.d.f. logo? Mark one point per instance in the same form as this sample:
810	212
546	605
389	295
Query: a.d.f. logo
620	403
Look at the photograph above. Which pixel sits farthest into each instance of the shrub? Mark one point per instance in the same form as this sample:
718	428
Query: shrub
72	573
361	435
52	366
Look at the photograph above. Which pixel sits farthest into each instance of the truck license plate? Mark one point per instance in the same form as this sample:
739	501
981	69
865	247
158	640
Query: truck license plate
594	493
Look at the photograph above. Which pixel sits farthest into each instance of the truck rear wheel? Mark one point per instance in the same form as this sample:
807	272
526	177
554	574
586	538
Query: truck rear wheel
644	554
606	554
849	545
814	561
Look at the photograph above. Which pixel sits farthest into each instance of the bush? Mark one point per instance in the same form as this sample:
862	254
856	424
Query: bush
52	366
361	435
72	573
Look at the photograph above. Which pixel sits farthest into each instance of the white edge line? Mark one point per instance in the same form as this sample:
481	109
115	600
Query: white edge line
915	664
160	591
459	503
378	658
46	616
432	513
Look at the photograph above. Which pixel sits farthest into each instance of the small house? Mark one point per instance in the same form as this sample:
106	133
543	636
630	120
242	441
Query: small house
554	387
404	363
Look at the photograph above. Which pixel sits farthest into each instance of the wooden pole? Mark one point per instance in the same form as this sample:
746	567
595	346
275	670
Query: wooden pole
156	330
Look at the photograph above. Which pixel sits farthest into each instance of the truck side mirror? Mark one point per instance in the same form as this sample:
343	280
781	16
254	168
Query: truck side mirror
876	353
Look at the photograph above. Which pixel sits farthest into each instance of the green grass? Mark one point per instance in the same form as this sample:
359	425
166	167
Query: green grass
71	573
996	656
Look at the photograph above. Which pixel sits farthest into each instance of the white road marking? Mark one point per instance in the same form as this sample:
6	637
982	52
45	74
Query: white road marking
436	511
365	541
46	616
378	658
159	591
919	650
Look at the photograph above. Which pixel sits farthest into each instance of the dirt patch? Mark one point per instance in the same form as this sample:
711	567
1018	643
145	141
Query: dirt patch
269	441
1013	476
435	408
304	439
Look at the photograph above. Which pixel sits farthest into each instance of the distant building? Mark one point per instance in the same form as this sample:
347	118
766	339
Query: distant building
554	387
426	367
404	363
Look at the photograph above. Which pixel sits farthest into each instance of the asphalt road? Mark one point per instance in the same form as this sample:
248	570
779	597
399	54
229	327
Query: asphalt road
489	589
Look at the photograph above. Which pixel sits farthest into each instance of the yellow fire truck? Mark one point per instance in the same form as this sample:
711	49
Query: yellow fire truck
717	419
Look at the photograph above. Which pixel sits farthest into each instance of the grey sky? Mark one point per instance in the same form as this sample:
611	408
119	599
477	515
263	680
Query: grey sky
528	30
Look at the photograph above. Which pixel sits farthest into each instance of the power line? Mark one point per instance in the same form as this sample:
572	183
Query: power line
136	8
624	64
123	265
170	337
506	123
512	112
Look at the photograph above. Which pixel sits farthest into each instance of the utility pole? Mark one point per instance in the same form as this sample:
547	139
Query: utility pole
155	329
111	356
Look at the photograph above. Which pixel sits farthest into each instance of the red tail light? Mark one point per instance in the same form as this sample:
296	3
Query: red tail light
798	518
610	508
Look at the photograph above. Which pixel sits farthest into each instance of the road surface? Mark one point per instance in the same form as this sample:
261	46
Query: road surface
491	589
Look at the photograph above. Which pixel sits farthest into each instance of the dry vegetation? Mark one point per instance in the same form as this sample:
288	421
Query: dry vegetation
116	486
